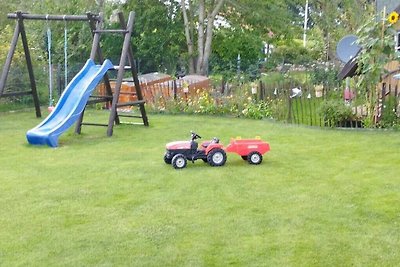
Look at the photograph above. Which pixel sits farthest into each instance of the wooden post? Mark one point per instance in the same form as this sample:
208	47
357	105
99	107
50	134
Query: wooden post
310	99
7	64
301	99
396	97
254	91
381	106
222	85
174	89
29	64
97	21
127	53
20	29
28	16
289	118
295	106
185	90
134	72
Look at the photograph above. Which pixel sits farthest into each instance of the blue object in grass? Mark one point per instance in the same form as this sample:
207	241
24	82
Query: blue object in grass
70	105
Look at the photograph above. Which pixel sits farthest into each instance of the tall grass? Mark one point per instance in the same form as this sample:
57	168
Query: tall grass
321	197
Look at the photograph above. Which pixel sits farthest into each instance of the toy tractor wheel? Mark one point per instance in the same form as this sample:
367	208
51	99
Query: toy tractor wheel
166	159
179	161
254	158
216	157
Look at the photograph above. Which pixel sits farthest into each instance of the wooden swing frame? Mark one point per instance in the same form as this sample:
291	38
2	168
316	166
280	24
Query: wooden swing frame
96	23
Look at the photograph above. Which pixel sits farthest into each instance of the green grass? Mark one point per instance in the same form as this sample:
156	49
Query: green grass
320	197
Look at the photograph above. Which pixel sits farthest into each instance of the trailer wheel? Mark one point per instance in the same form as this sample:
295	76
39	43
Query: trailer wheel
254	158
179	161
216	157
166	159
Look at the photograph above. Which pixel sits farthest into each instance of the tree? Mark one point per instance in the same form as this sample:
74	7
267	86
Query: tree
228	44
270	20
206	14
158	39
271	23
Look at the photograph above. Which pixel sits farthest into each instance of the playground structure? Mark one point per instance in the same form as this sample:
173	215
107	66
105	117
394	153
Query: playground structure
77	95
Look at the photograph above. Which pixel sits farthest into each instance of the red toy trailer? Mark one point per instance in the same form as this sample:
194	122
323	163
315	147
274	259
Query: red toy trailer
249	149
212	152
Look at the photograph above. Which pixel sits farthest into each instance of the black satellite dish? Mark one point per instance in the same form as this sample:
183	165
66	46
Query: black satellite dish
347	48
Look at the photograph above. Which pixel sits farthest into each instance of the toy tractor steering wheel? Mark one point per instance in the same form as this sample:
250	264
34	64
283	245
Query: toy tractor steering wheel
194	136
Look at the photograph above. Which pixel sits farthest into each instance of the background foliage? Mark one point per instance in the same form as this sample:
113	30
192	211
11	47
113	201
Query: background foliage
160	42
244	28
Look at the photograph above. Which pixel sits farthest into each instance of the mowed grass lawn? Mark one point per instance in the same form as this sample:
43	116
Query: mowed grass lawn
321	197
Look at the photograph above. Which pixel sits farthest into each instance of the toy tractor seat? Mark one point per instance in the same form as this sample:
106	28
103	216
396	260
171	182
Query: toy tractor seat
215	140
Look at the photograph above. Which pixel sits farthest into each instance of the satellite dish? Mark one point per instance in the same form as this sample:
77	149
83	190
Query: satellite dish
347	48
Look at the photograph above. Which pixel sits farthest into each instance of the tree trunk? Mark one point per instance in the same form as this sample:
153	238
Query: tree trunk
200	39
188	36
202	63
204	33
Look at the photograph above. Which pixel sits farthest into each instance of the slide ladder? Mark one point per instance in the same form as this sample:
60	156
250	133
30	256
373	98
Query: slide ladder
126	29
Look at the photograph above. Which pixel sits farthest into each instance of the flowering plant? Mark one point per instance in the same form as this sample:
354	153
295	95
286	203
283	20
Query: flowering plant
393	17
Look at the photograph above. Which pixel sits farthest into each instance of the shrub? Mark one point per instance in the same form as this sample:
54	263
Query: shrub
240	104
257	110
334	112
389	117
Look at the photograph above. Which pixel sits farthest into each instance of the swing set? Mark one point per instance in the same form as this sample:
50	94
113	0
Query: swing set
96	23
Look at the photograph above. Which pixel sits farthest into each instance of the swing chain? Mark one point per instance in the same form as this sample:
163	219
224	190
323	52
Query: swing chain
50	63
65	53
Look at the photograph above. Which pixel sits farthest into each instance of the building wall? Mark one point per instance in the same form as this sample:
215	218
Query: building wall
391	83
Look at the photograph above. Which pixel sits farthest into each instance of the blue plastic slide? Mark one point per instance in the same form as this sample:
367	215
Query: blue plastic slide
70	105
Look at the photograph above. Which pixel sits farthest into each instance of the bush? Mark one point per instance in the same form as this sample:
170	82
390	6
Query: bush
389	117
334	112
257	110
292	54
239	104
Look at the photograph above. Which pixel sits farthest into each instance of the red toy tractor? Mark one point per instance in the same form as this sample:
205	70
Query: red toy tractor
179	152
212	152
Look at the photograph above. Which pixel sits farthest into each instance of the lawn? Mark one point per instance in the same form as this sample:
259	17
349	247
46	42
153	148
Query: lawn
321	197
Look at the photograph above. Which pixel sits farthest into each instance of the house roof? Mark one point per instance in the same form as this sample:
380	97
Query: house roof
349	69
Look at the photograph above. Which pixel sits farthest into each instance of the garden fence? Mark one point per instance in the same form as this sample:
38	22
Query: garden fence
304	104
289	100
